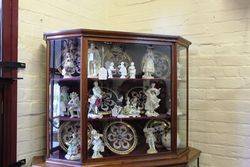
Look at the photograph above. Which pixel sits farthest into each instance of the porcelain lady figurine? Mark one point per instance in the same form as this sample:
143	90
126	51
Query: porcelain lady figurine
150	139
132	70
73	152
122	70
95	102
97	143
64	99
74	105
148	66
152	102
110	70
94	61
68	66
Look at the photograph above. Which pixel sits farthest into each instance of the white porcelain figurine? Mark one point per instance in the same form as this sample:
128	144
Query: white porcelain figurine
73	152
152	101
103	74
148	66
94	61
95	102
117	108
132	70
74	105
122	70
97	143
150	139
110	70
64	99
134	109
68	66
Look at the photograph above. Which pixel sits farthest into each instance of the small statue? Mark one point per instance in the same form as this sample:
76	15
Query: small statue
97	143
110	70
122	70
103	74
95	102
134	110
148	66
68	66
94	61
150	139
64	99
117	108
132	70
74	105
73	152
152	101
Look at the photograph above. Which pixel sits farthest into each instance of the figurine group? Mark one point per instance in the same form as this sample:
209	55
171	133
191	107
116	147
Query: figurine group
69	103
131	109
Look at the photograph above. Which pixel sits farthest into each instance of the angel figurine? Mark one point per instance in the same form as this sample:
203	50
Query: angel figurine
110	70
97	143
94	61
150	139
64	99
95	102
123	70
148	66
132	70
152	101
73	152
68	66
74	105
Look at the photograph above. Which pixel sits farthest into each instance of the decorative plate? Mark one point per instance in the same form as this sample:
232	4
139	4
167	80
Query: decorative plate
161	127
140	94
120	137
67	129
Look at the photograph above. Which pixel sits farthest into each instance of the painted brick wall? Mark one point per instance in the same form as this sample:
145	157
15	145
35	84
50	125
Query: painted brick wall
219	64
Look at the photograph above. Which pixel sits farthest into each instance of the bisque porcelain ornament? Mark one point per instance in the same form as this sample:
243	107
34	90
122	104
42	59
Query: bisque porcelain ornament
68	66
131	109
150	139
95	102
94	61
123	70
73	152
103	73
110	70
74	105
98	145
116	111
148	66
64	99
132	70
152	102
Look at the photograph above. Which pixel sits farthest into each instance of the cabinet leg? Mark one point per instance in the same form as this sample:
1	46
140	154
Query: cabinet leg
198	162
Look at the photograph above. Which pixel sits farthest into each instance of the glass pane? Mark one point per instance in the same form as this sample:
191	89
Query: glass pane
64	101
182	96
129	91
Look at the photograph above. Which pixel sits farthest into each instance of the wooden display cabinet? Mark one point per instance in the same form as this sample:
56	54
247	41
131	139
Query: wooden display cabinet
129	109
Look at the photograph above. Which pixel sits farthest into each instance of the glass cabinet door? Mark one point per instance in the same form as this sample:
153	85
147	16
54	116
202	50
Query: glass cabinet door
129	92
182	97
64	129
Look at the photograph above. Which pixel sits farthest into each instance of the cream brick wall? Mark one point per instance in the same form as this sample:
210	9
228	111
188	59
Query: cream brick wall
219	64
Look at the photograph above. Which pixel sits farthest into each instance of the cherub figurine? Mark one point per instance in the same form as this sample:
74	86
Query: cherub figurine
150	139
64	99
74	105
110	70
148	66
95	102
94	61
122	70
73	152
152	101
68	66
132	70
97	143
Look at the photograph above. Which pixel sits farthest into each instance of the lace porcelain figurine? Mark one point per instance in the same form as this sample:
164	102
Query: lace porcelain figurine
122	70
73	152
98	145
132	70
94	61
110	70
152	101
74	105
64	99
148	66
150	139
68	66
103	73
95	102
